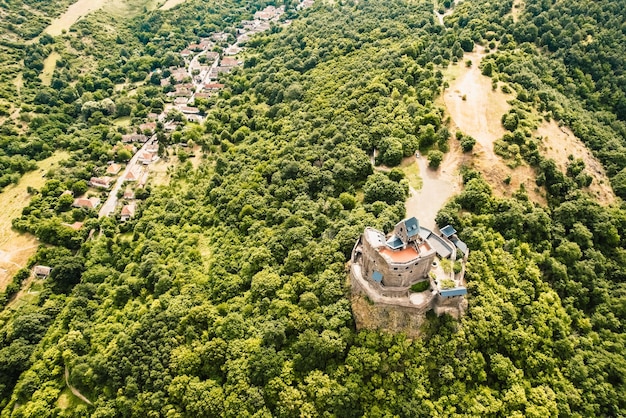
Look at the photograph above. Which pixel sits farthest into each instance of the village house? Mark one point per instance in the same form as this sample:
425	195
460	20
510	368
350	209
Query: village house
230	62
83	203
213	86
129	194
100	182
205	43
181	101
42	272
201	95
220	37
189	110
134	174
148	128
185	53
134	138
152	147
232	50
146	158
113	169
128	212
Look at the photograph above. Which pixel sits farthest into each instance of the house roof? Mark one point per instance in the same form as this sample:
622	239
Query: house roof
395	243
448	231
114	168
90	203
128	210
457	291
460	245
42	270
412	226
213	86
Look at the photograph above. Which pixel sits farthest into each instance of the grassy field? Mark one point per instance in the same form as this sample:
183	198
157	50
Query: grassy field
122	121
16	248
412	173
48	68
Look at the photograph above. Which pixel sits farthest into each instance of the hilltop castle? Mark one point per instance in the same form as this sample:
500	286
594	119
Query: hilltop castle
411	268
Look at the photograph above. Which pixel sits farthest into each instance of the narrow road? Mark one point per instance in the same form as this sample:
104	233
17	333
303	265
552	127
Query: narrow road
73	389
109	206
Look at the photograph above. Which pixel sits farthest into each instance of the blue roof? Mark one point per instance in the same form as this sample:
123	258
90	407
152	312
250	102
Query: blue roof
460	245
457	291
448	231
412	226
377	276
394	243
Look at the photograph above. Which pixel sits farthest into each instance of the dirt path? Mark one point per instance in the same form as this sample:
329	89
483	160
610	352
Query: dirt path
73	389
437	188
476	109
518	6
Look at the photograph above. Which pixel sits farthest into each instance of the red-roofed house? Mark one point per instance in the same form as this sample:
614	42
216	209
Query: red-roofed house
213	86
147	157
91	203
230	62
100	182
134	174
128	211
113	169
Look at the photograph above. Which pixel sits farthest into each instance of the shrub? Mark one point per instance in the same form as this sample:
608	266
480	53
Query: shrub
434	159
447	284
467	143
420	286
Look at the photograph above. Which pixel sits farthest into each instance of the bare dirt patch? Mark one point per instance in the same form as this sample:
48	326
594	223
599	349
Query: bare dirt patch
438	186
559	142
476	109
16	248
73	13
170	4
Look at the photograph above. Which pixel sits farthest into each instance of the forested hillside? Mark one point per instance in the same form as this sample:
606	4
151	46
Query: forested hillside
227	295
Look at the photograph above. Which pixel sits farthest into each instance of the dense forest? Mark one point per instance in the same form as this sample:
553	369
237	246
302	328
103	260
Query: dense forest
227	295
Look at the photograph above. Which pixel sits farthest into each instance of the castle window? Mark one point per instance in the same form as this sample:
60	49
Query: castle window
395	268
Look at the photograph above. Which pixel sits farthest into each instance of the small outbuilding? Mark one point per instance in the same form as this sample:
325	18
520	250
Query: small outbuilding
42	272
